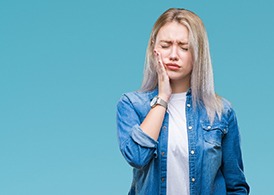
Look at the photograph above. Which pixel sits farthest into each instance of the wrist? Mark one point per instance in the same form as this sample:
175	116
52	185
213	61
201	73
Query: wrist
158	101
164	97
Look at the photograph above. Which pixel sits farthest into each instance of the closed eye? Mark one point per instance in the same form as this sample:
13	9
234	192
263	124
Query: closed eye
165	46
184	48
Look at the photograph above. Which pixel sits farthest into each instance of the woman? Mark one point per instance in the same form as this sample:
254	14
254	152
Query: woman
176	133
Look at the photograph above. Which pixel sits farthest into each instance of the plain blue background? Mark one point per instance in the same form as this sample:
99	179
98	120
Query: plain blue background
64	65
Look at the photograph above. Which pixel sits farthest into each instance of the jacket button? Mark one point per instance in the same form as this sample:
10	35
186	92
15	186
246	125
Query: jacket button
190	127
193	179
192	152
163	153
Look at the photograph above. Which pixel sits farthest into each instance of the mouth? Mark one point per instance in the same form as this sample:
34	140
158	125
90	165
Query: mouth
173	66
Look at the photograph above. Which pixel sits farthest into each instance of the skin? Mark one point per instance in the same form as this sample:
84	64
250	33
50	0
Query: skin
174	71
172	48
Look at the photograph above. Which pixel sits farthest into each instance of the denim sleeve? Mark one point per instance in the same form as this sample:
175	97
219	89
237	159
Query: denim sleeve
232	166
136	146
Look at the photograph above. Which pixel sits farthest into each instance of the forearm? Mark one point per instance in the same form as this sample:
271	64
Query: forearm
153	121
137	147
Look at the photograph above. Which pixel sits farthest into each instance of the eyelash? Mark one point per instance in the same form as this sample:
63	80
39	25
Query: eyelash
166	46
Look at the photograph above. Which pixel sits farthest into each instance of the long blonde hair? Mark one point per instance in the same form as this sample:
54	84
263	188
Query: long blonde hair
202	83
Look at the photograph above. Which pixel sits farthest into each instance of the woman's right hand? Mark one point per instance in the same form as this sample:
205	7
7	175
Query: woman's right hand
164	88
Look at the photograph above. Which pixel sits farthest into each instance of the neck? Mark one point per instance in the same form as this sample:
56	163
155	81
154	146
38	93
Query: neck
179	86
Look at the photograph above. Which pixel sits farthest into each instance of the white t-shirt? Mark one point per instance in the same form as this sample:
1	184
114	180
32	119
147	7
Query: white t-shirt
177	155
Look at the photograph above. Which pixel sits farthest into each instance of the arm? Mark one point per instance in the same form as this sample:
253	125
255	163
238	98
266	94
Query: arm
138	138
137	147
232	164
153	121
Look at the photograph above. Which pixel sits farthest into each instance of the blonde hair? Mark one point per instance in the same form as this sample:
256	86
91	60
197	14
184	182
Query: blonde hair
202	83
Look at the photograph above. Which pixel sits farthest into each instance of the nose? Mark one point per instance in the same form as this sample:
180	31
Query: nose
173	54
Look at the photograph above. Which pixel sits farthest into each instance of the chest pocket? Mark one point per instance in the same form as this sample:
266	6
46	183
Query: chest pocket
213	134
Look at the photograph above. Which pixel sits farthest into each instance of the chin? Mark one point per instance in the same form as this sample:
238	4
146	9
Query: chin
174	75
178	77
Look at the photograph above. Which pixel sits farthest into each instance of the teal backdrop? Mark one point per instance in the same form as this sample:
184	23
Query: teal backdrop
64	65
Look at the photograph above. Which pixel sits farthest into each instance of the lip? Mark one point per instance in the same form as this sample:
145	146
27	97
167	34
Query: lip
173	66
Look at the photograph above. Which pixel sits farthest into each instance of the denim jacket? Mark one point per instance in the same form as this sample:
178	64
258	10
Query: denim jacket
215	162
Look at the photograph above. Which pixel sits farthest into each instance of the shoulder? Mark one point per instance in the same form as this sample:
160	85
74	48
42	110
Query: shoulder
227	106
228	109
136	102
137	97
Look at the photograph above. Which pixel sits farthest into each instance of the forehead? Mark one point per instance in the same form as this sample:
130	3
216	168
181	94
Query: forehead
172	31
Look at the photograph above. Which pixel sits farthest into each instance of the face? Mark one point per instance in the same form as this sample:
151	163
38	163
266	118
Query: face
173	45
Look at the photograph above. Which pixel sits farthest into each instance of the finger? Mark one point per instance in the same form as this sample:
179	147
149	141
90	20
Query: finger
159	59
161	64
160	67
157	65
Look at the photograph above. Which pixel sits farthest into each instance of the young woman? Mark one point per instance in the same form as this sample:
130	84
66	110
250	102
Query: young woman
176	133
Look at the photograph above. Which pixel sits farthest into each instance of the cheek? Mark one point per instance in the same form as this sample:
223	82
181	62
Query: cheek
164	52
190	64
160	49
186	57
